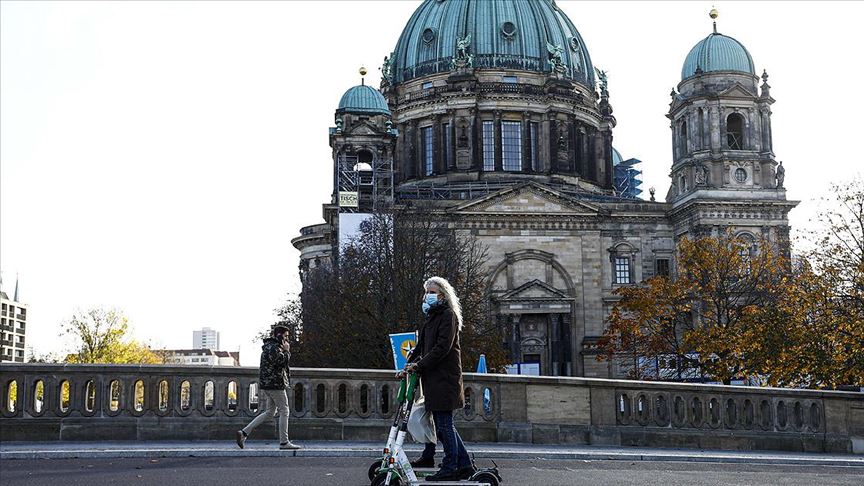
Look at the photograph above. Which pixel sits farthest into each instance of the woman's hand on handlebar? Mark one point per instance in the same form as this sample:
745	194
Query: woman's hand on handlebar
409	368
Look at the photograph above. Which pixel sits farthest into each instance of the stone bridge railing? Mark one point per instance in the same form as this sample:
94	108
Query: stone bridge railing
120	402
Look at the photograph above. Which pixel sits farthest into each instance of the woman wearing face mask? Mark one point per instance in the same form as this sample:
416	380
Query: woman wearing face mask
438	361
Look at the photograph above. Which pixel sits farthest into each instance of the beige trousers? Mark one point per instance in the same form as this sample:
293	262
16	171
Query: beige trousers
277	403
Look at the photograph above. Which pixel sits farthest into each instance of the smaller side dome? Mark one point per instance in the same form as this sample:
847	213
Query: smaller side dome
717	52
363	99
616	157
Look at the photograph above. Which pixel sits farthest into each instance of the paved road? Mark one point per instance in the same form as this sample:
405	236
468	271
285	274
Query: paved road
313	471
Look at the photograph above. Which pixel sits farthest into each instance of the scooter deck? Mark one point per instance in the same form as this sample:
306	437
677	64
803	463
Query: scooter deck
449	483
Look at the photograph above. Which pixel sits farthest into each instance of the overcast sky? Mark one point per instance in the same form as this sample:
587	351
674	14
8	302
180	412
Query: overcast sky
159	157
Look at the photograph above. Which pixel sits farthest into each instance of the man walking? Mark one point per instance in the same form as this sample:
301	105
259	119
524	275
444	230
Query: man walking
272	380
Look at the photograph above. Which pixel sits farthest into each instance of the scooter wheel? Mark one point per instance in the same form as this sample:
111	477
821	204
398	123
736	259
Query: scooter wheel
486	477
373	469
381	477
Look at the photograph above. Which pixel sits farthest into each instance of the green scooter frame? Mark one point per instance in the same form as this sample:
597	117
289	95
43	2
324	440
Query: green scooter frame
394	468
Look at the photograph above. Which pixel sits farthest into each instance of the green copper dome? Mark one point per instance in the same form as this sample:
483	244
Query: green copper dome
363	99
717	52
520	35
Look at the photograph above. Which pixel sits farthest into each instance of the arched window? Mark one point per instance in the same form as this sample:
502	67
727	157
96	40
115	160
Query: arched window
747	249
735	131
701	144
682	139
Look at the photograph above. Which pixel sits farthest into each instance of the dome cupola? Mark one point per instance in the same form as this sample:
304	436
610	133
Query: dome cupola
717	52
363	99
525	35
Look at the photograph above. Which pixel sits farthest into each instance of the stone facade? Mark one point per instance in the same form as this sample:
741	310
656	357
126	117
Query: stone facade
522	159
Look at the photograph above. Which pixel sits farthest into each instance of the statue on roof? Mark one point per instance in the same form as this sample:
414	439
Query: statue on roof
387	68
780	175
604	81
556	59
463	57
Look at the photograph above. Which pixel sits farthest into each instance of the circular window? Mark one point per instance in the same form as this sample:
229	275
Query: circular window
574	44
740	175
428	35
508	29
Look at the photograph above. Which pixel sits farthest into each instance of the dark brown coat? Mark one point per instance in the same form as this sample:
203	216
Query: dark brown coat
439	360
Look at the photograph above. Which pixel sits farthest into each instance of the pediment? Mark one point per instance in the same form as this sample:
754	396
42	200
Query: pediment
527	198
737	90
363	129
535	289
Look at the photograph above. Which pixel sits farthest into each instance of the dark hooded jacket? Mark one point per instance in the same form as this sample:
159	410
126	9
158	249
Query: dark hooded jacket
274	373
439	360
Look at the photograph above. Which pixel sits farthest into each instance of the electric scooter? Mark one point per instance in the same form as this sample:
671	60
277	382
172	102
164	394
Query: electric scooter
394	468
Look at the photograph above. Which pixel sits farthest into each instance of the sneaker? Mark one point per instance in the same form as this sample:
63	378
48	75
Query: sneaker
241	438
289	446
423	462
443	476
466	472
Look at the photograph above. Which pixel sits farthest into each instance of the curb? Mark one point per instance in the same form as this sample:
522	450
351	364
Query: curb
478	453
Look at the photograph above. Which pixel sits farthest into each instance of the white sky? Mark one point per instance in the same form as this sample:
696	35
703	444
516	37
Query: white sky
159	157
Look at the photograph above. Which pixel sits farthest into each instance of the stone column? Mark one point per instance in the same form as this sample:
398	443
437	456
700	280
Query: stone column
765	113
499	159
451	149
439	164
410	160
715	127
476	140
756	120
526	142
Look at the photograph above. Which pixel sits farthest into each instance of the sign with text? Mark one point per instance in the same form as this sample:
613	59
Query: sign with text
349	199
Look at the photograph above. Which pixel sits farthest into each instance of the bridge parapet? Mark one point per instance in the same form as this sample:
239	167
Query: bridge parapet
42	402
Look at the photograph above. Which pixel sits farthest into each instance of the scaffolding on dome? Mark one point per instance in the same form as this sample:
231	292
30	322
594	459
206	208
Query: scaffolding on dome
626	179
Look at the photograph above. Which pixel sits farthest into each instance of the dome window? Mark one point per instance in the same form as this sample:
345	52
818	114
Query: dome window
508	29
428	35
574	44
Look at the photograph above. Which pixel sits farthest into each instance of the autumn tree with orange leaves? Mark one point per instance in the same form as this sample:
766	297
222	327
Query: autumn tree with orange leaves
738	309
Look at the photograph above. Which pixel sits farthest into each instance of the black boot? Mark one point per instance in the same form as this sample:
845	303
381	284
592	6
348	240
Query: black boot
423	462
466	472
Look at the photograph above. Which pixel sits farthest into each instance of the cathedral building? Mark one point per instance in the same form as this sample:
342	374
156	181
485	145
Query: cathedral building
492	111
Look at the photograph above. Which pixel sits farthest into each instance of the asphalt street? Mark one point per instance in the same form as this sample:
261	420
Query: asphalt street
315	471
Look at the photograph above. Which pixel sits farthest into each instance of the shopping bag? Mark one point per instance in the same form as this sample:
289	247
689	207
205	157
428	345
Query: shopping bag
420	423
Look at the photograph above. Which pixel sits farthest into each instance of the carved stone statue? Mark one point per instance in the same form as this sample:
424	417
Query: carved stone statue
562	139
462	141
386	69
556	60
701	175
780	175
604	81
463	57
